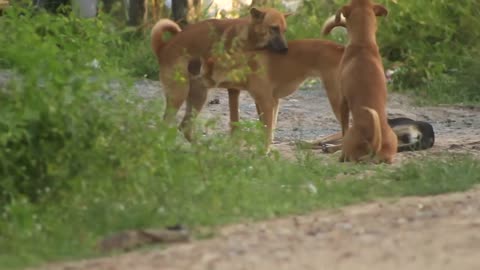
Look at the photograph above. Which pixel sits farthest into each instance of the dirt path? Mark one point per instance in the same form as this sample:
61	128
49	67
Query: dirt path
439	232
307	115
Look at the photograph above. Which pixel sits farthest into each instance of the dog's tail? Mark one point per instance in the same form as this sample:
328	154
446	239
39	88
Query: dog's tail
377	130
162	26
332	22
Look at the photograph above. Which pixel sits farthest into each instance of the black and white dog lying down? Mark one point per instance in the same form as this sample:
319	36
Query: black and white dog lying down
412	136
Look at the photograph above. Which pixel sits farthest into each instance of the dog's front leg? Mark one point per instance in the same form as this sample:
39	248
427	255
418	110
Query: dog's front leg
266	107
275	114
233	100
174	100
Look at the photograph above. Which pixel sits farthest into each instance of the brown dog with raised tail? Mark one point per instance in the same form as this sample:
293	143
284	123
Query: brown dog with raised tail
264	29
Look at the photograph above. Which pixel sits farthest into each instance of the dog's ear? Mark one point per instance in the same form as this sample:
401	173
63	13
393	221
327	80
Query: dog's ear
257	14
345	11
380	10
286	15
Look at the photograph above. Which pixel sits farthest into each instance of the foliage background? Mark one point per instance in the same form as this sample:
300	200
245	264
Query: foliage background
435	44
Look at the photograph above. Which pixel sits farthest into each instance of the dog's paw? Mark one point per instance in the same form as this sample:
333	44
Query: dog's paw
324	148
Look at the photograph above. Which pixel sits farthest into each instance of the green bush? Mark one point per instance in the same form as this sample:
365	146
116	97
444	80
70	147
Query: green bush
308	20
135	55
435	43
60	113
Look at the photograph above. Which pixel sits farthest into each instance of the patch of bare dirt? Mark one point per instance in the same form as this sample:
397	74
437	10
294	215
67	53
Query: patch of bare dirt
307	115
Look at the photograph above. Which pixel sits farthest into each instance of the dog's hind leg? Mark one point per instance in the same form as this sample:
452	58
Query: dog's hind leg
197	96
388	151
174	100
233	100
175	96
334	138
259	112
329	144
344	116
195	101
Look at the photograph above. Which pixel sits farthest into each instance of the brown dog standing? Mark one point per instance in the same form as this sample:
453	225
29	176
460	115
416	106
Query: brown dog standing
265	28
363	86
275	76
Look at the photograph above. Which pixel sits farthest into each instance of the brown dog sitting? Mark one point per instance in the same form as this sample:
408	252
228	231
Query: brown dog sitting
264	29
362	86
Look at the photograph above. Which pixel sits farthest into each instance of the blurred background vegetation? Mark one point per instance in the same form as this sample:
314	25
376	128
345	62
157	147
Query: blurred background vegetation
434	46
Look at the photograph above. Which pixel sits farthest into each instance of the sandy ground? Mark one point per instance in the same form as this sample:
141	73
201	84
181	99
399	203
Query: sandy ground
439	232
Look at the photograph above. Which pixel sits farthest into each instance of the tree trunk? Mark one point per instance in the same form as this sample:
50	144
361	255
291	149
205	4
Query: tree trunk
50	5
179	11
136	11
107	5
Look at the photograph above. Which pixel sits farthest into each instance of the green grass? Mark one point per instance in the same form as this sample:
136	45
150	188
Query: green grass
214	188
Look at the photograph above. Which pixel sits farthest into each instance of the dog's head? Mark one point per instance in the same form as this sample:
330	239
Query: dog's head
407	134
415	135
356	12
268	27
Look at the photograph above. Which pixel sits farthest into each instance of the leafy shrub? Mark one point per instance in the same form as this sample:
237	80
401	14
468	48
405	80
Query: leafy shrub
307	22
59	112
435	44
135	55
433	41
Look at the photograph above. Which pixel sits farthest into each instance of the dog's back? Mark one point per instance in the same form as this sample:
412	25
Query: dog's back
363	77
197	39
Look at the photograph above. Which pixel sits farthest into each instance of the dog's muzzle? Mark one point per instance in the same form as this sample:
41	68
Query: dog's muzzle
278	45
